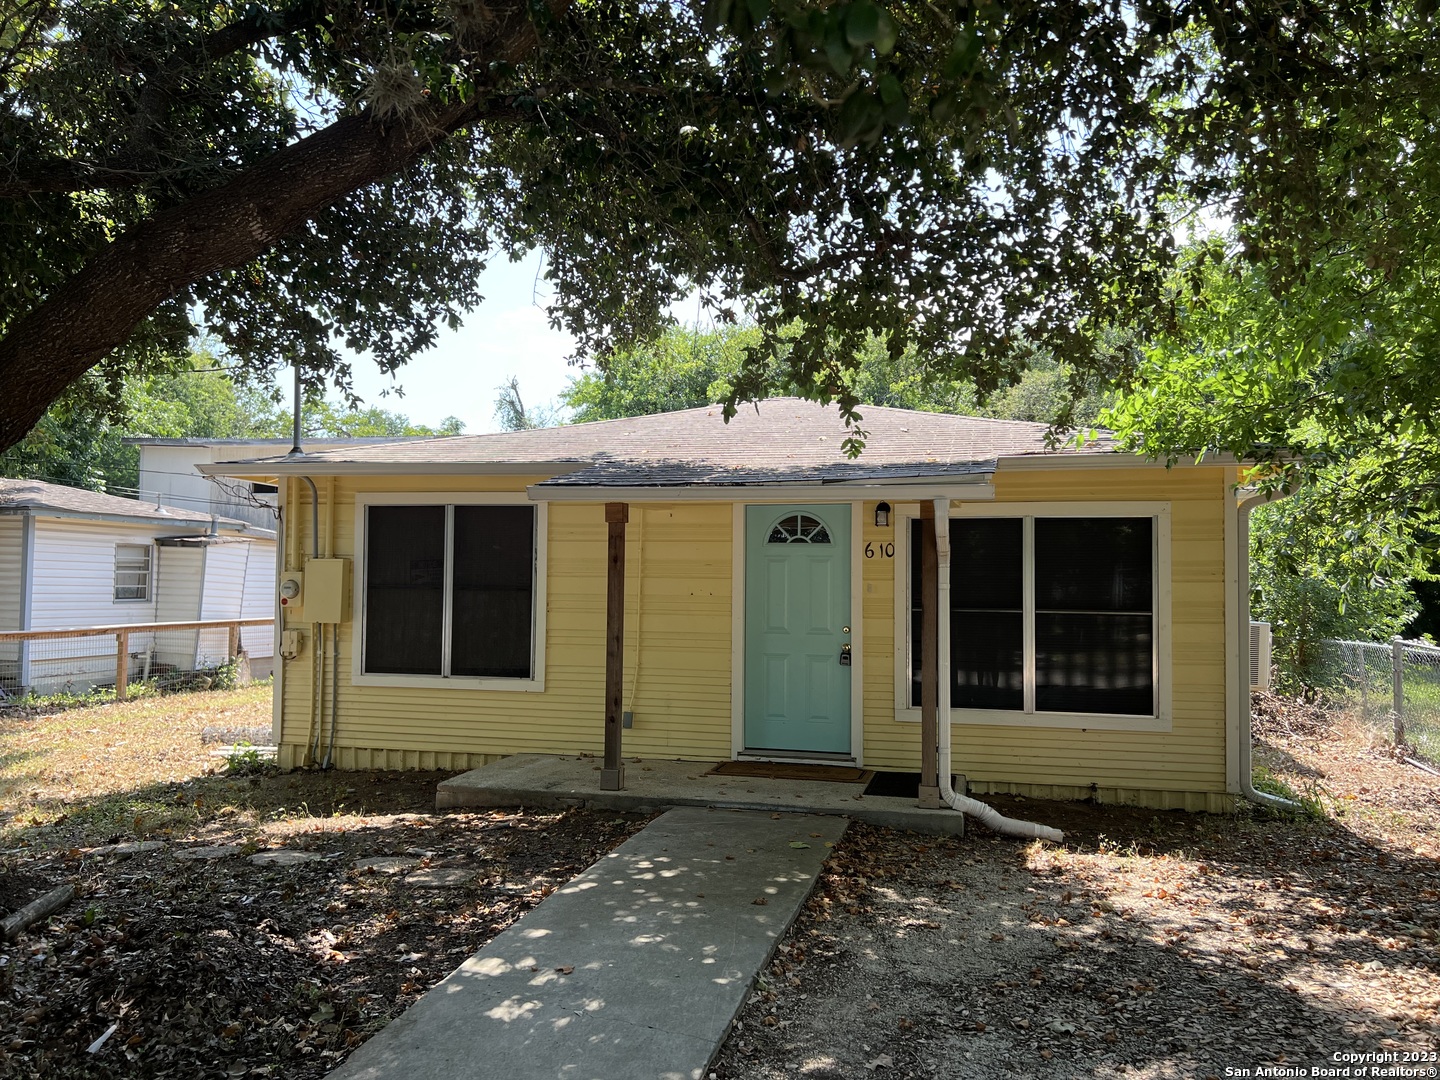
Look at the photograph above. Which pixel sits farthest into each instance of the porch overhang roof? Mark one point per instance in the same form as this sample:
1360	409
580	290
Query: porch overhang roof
667	481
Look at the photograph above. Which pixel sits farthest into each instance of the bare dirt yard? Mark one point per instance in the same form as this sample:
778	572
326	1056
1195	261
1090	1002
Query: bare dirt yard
1149	945
265	925
238	925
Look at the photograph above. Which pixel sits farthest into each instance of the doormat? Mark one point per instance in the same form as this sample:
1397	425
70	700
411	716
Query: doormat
781	770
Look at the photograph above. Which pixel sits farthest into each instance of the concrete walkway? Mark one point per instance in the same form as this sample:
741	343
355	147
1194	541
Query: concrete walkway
542	780
632	971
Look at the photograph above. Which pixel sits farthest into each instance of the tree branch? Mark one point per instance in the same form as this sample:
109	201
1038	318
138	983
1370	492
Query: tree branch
99	308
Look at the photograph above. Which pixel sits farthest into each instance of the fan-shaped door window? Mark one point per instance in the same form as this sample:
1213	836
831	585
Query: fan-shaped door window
799	529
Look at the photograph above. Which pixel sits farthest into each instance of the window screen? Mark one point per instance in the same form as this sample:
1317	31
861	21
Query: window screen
1093	614
494	588
469	615
1094	606
404	589
987	615
132	571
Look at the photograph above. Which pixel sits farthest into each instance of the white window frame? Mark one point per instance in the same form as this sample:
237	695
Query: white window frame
1158	512
149	580
536	683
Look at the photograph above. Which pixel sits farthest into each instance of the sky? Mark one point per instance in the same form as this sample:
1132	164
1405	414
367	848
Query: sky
508	334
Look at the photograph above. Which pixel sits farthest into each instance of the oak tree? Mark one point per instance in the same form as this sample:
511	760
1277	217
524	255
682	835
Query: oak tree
293	175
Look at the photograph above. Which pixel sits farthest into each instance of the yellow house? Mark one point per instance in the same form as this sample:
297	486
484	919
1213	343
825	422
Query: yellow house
687	588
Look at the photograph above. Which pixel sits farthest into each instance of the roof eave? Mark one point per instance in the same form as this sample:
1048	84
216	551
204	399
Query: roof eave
263	469
139	520
973	487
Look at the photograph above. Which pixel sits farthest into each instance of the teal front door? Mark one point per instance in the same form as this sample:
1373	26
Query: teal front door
797	629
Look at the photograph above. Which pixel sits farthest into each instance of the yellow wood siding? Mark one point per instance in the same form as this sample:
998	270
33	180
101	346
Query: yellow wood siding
1120	766
677	627
678	650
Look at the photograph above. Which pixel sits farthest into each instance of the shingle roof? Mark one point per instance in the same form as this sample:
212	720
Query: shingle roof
37	495
779	440
357	440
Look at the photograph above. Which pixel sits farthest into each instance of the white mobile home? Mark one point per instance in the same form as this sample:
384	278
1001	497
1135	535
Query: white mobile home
74	558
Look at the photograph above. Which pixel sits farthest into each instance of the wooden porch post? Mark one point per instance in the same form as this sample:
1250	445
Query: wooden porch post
612	775
929	659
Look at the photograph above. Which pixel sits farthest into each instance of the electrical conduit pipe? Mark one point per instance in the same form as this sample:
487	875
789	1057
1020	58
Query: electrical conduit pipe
317	631
987	815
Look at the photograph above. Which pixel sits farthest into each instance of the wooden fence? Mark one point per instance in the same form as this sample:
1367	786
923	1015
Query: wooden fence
122	635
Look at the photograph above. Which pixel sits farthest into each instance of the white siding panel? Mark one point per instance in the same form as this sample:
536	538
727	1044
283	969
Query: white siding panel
75	575
222	598
180	575
74	585
12	557
259	599
12	544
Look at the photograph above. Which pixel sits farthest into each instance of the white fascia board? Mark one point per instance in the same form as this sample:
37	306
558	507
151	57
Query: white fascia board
269	470
125	519
980	490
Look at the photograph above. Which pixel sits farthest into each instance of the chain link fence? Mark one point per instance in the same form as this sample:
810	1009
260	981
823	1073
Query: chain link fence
1393	686
129	660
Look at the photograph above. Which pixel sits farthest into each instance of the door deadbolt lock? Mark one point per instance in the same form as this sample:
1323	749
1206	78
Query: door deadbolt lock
844	629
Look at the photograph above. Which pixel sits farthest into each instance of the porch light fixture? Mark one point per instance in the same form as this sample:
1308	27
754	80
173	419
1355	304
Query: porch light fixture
882	515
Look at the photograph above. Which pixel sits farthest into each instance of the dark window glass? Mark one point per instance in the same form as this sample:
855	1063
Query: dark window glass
404	589
494	556
1092	564
987	660
132	571
987	623
1094	601
799	529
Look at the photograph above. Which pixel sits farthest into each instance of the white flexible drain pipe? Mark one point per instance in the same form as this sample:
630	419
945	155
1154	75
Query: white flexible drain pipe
988	816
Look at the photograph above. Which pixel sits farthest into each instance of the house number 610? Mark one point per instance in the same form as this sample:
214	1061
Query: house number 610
885	551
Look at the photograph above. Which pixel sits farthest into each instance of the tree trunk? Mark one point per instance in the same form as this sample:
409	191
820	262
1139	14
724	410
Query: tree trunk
99	308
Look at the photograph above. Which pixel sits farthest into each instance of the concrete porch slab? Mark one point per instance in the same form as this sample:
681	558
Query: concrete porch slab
653	784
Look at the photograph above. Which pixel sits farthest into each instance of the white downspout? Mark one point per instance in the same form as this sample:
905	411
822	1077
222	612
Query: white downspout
987	815
1242	613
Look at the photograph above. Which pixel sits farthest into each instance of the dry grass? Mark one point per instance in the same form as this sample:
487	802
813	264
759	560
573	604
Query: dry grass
220	967
1350	769
98	757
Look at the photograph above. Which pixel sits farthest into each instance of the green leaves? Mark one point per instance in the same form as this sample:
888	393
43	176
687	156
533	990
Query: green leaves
945	177
867	24
964	53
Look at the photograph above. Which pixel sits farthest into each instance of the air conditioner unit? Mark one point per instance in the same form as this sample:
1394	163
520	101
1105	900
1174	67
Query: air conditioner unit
1259	656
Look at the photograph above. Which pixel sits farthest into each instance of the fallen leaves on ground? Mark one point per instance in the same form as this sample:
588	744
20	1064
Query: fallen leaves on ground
216	962
1149	945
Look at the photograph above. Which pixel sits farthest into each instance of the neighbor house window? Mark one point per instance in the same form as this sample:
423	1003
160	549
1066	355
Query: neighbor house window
450	590
132	571
1047	614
